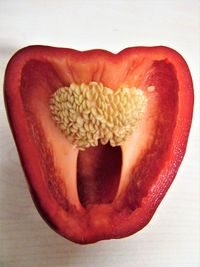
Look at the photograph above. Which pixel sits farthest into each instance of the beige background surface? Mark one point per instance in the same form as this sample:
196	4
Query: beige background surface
172	237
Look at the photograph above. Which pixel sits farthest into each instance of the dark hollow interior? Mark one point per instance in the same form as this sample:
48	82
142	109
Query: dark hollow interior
98	174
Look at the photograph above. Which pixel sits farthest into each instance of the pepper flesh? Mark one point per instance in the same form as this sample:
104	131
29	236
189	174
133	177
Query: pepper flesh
103	202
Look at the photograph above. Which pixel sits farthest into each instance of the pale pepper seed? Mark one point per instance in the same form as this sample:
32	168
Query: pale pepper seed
87	113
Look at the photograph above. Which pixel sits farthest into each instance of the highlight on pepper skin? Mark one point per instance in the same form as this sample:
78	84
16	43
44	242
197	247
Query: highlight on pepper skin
100	135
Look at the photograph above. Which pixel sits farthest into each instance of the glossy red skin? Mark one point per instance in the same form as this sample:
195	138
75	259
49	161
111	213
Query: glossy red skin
46	204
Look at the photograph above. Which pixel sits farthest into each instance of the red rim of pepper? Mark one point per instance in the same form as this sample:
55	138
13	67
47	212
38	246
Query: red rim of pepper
102	192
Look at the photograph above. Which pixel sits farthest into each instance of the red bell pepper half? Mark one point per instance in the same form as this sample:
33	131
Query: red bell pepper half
103	191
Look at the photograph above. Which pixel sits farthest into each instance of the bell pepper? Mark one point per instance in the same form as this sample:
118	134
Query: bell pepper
100	135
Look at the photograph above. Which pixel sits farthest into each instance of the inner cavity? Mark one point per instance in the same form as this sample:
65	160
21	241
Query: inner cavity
98	174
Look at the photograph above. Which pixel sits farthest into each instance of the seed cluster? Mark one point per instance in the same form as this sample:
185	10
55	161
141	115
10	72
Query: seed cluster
89	113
